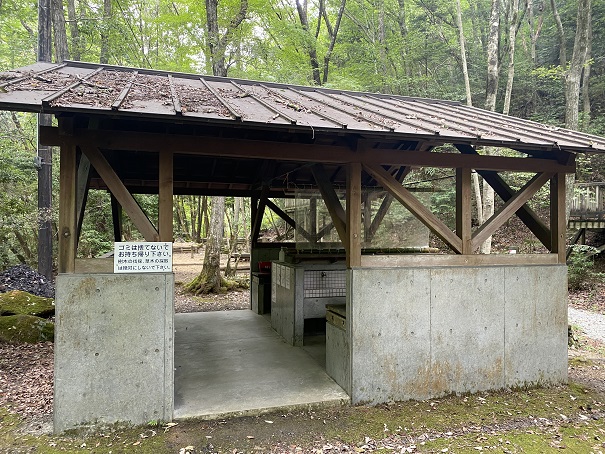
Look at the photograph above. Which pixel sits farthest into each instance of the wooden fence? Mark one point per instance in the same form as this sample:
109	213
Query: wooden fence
588	201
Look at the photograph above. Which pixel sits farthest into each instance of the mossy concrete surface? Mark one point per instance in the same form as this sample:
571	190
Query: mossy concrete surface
28	329
17	302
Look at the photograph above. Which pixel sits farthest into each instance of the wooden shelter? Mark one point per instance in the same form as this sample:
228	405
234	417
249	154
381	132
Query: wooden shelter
143	131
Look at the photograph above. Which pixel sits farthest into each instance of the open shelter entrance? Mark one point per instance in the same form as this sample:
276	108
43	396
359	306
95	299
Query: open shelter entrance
407	323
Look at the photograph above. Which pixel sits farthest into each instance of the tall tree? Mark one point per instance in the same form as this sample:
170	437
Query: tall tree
59	30
74	31
493	73
573	75
209	279
44	161
104	53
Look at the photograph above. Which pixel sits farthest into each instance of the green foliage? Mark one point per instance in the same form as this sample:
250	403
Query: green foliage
18	189
581	272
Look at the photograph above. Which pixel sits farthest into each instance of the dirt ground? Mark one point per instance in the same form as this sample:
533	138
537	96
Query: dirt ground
186	267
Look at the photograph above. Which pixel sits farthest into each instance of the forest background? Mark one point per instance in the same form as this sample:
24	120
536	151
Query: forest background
540	60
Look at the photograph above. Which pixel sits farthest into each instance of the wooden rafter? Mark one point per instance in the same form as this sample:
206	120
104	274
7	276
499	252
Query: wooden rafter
258	211
509	208
385	205
423	214
117	188
83	181
337	213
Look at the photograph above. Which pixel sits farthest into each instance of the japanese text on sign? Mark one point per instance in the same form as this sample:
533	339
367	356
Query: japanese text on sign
138	257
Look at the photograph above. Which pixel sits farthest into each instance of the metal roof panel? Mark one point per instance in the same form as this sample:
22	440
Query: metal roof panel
78	86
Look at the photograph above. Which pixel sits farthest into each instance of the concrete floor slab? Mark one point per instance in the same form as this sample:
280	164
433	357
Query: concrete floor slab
233	362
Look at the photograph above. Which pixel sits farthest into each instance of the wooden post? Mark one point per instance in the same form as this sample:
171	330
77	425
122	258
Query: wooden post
67	210
166	191
354	214
116	216
463	209
558	221
83	181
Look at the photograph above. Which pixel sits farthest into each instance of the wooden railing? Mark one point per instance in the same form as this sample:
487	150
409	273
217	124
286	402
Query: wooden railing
588	202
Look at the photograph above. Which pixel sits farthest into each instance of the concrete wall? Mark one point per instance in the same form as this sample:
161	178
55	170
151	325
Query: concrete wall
287	316
289	307
114	349
418	333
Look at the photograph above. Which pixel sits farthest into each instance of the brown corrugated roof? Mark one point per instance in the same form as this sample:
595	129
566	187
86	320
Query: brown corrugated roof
103	89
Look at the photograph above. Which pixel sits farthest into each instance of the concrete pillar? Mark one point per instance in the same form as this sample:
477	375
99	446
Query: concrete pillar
114	349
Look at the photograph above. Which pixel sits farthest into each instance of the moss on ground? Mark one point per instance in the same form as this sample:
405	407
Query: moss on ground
538	420
17	302
18	329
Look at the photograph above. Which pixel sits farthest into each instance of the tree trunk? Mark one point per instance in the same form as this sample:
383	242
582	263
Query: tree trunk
512	37
76	51
561	35
60	32
205	216
217	44
572	82
586	82
578	59
104	53
333	34
534	28
311	46
493	70
467	83
209	279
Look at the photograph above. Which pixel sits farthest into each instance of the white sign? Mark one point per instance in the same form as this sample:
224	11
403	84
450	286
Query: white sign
139	257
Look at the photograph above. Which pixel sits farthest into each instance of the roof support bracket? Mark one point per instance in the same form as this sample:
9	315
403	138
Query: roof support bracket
337	213
423	214
117	188
505	192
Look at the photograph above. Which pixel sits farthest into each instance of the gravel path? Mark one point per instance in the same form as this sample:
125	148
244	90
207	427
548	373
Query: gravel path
592	323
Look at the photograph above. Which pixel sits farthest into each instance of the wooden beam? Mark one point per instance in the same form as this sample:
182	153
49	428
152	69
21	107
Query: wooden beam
291	222
67	210
301	152
166	192
385	205
83	181
509	208
313	216
463	209
558	223
354	214
423	214
504	191
258	214
337	213
117	188
116	216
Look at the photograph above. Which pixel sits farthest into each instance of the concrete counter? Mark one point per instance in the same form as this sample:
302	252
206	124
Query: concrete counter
301	291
